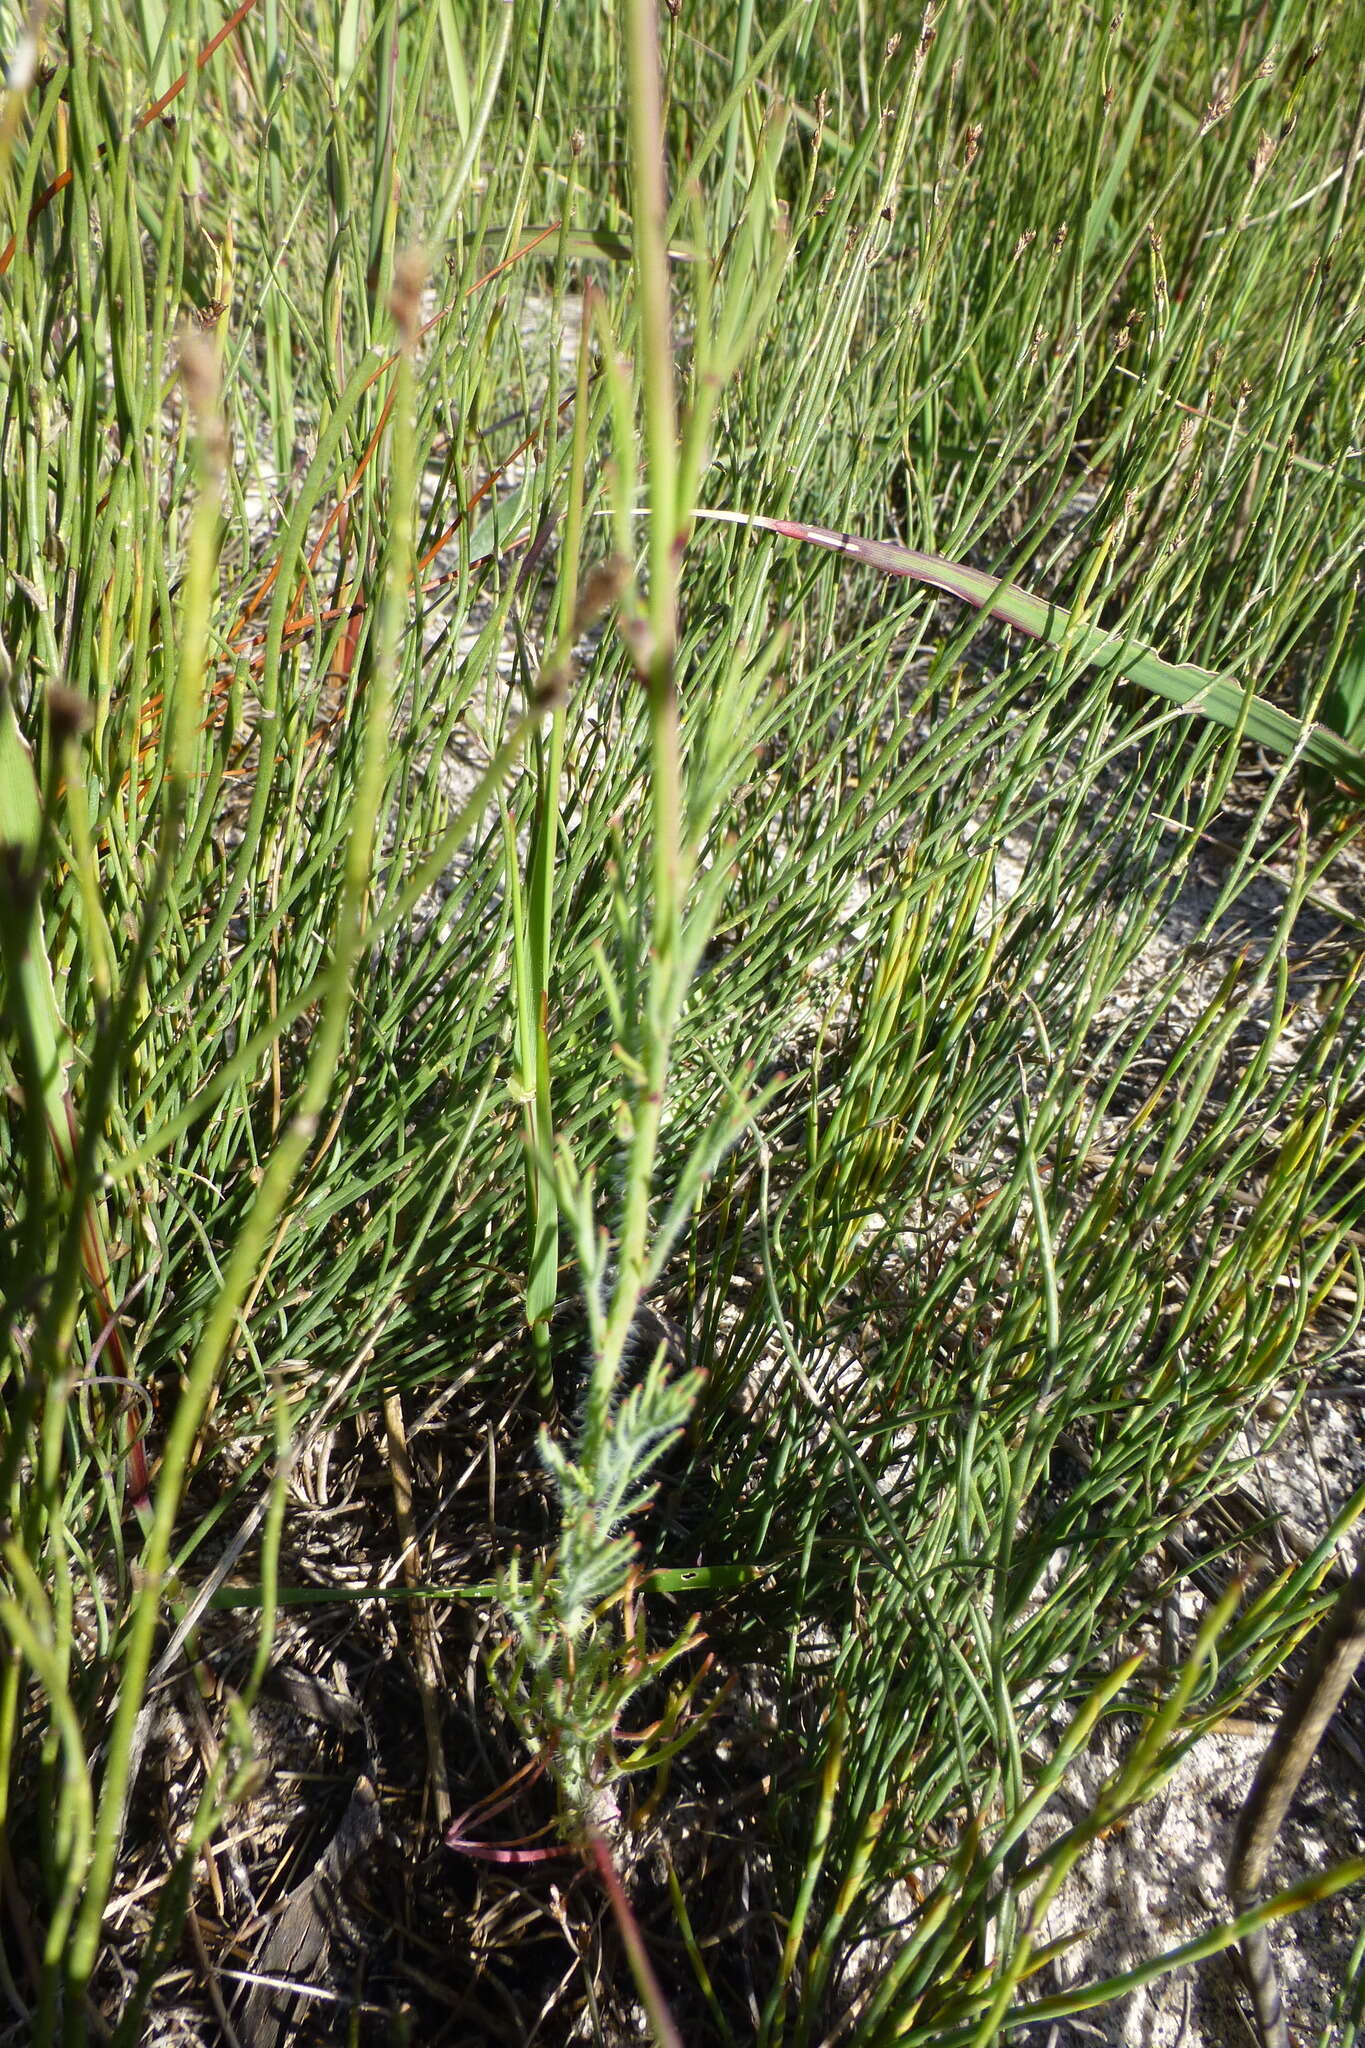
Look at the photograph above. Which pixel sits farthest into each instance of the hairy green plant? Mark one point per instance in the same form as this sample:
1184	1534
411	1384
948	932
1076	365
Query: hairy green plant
577	1677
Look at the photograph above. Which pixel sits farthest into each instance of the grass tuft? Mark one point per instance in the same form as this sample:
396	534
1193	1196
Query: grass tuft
699	1172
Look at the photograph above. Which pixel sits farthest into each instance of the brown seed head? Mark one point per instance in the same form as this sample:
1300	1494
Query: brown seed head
405	299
